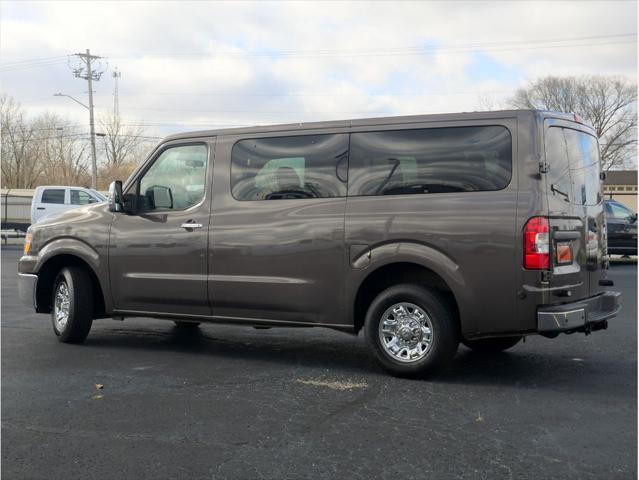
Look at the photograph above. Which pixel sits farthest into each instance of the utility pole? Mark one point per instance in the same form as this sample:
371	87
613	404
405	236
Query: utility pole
88	73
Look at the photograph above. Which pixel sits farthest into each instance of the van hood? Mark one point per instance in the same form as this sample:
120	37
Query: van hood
89	224
80	214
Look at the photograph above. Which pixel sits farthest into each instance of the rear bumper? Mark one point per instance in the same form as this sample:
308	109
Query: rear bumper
578	316
27	289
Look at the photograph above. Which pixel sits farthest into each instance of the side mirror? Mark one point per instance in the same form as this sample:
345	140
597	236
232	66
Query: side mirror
116	199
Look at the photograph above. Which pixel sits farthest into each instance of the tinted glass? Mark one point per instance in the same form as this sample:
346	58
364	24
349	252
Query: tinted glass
310	166
78	197
176	180
619	211
573	165
53	196
559	182
583	154
435	160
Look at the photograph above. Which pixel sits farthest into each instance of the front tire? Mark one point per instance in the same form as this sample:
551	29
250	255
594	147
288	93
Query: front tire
412	330
72	310
492	345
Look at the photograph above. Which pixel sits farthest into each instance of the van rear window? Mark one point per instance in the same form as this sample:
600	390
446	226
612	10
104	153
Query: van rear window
433	160
573	165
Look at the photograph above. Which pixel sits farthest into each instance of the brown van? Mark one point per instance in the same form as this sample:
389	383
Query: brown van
423	231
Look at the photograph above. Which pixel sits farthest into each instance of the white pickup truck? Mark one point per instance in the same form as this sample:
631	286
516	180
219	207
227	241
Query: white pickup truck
50	200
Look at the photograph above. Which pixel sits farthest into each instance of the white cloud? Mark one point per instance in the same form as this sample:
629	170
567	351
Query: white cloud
337	60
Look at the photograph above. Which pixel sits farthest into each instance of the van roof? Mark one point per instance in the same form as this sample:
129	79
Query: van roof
367	121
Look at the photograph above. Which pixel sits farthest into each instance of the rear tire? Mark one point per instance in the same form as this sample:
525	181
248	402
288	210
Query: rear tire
180	324
413	331
72	305
492	345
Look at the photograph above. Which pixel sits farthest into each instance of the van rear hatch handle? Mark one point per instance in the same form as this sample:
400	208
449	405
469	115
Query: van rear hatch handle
564	235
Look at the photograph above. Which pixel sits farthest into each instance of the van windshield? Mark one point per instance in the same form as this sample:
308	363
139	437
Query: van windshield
573	166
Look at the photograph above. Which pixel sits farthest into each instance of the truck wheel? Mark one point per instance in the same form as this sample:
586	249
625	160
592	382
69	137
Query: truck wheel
180	324
412	330
72	312
492	345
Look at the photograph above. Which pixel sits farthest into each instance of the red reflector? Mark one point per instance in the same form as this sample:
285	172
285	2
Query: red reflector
537	244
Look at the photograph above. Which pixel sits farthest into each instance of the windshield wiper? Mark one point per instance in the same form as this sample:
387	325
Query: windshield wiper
554	190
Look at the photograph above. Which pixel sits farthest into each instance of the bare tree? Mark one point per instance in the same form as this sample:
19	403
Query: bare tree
20	166
125	147
486	102
609	104
62	151
121	143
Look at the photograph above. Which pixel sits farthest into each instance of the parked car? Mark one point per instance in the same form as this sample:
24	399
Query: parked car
422	231
622	228
50	200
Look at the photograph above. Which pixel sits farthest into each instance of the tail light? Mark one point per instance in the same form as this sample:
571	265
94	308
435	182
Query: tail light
537	244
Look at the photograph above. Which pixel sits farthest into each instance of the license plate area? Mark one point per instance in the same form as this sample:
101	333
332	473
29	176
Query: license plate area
563	253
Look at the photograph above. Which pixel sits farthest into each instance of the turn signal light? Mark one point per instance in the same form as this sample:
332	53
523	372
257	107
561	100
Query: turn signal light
27	243
537	244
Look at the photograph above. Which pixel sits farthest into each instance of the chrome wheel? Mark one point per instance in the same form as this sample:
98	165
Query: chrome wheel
61	306
406	332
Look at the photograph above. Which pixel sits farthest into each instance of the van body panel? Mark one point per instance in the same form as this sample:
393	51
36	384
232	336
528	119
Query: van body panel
157	265
281	260
531	202
376	256
472	233
82	233
567	214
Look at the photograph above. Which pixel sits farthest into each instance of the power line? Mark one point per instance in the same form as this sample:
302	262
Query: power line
303	94
31	60
36	65
54	137
538	43
495	46
408	50
349	112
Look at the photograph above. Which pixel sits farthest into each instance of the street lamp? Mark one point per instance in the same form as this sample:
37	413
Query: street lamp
94	164
69	96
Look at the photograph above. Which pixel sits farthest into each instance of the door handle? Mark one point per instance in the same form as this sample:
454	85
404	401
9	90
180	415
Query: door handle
191	225
40	208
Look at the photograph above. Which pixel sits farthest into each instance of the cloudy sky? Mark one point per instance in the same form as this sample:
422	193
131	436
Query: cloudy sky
193	65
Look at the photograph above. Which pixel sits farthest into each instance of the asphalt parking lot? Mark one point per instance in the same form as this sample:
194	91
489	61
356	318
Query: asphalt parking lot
234	402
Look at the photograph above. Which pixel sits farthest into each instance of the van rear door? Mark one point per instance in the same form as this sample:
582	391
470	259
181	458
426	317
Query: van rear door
575	211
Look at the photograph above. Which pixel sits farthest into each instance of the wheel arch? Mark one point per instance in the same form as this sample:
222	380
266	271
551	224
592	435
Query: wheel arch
48	272
394	273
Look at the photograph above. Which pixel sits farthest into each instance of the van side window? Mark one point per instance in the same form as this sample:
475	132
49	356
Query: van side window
434	160
78	197
53	195
176	180
283	168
